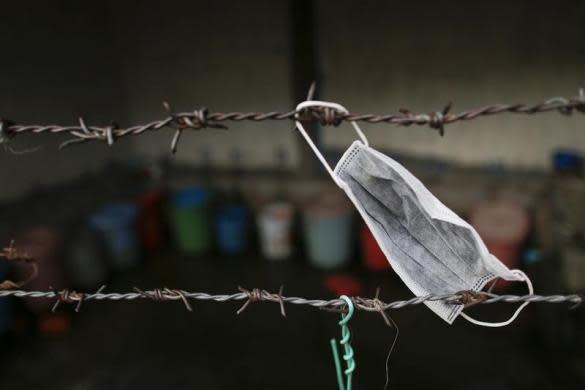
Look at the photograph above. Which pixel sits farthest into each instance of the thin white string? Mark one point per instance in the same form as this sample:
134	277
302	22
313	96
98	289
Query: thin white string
300	127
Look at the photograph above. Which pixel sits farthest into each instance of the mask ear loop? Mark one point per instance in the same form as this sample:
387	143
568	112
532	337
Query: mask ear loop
524	278
300	127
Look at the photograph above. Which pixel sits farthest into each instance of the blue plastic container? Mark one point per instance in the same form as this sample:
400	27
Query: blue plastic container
116	223
568	161
231	226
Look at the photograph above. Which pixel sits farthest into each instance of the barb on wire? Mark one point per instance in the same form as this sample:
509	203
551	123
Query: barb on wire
259	295
67	296
11	253
159	295
471	298
198	121
375	304
204	118
253	296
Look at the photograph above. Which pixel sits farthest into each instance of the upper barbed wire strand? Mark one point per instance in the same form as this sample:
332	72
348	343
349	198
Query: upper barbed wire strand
202	118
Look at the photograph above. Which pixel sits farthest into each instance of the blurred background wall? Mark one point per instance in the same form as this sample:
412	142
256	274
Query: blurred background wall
227	56
59	63
420	55
119	61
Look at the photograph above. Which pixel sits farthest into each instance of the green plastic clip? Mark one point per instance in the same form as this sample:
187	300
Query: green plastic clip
348	354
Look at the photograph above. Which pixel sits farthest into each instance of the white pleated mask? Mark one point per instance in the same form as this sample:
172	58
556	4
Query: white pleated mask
431	248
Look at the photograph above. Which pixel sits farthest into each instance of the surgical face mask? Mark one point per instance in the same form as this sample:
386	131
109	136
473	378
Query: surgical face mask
433	250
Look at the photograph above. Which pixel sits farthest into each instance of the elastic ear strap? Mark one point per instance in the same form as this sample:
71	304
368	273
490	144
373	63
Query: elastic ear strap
526	279
302	130
300	127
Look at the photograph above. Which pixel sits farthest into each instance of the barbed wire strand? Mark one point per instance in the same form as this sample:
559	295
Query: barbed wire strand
466	298
204	118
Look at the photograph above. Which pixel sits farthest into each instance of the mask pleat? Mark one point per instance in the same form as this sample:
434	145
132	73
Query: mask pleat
415	259
454	244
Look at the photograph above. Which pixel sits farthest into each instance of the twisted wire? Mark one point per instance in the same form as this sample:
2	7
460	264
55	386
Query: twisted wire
203	118
361	303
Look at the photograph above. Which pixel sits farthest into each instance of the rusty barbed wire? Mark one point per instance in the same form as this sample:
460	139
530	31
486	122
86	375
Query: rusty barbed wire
260	295
203	118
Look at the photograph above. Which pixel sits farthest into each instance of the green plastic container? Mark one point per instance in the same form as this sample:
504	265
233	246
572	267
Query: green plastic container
190	220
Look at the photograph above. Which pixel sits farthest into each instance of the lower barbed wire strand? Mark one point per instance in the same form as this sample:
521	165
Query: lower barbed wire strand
365	304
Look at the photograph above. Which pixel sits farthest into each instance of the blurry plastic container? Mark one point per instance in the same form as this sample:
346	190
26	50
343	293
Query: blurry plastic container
231	226
568	162
116	223
190	220
327	229
573	268
275	222
503	225
44	244
339	284
151	226
86	262
372	255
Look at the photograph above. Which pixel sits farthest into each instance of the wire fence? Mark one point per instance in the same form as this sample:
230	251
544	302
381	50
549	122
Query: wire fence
203	118
467	298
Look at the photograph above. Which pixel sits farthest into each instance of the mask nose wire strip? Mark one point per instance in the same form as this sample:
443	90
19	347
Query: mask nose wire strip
301	128
524	278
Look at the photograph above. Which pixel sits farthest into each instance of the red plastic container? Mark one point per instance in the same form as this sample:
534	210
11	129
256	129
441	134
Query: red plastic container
503	225
372	256
151	226
44	244
340	284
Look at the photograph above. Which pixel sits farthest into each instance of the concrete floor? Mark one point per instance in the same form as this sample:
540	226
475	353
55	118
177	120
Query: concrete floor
148	345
